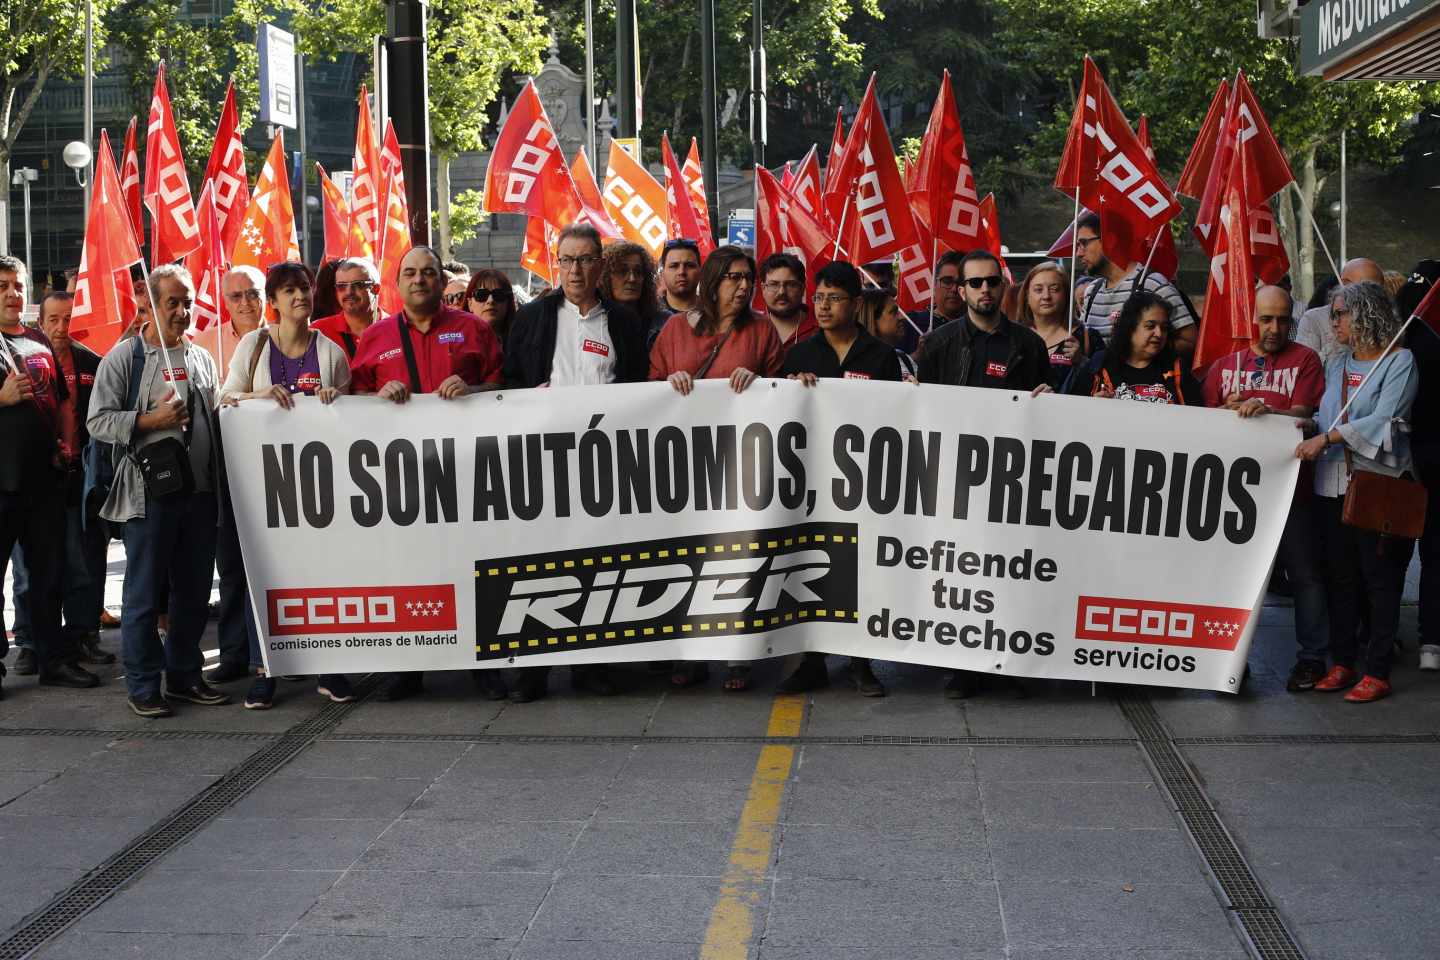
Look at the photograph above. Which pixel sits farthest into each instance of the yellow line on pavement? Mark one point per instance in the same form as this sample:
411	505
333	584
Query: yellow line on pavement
732	921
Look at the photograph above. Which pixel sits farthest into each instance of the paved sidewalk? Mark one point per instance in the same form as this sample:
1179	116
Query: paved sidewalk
662	824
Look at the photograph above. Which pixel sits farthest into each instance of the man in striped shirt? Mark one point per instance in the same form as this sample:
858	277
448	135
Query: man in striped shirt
1104	298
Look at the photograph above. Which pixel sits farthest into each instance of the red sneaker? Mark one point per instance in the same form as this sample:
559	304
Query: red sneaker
1368	690
1337	679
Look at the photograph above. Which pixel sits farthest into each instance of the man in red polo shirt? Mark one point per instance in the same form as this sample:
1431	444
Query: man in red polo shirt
357	286
427	348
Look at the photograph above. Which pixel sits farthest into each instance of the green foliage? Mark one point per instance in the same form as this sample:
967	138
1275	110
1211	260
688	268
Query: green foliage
467	213
43	39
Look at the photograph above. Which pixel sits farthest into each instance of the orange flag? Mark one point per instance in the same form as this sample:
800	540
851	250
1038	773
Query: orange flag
104	302
635	201
394	242
174	232
535	257
342	232
694	175
684	222
368	182
591	202
267	235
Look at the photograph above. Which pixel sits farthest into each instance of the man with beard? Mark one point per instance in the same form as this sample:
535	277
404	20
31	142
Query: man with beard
782	282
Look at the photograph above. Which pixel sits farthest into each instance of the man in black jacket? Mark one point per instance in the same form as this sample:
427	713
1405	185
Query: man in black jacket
572	337
983	349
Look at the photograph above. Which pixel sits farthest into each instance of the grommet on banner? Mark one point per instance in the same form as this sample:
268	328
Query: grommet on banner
499	397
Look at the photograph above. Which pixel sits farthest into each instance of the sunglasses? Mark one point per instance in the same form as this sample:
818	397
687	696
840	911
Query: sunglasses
975	283
454	299
681	243
483	294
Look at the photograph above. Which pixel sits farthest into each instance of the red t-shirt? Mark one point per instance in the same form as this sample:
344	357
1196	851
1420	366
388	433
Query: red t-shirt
456	343
1293	377
807	329
338	330
755	346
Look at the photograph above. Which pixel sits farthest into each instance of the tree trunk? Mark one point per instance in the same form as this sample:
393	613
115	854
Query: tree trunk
1289	224
442	203
5	204
1309	190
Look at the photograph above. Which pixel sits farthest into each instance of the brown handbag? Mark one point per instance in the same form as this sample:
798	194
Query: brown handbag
1390	506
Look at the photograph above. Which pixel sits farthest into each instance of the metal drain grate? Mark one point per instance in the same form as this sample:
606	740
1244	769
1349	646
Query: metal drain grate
858	740
137	734
1241	740
99	884
1246	899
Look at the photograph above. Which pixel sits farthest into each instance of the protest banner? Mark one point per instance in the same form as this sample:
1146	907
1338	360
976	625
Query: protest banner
979	529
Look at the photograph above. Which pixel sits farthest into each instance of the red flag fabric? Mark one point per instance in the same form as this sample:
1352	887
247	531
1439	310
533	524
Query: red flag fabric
207	263
591	200
1064	244
535	256
1105	162
394	242
808	183
783	224
915	265
174	232
787	176
990	223
390	158
694	174
1166	259
943	192
1428	310
1230	289
635	201
342	231
528	173
1202	154
837	148
367	180
226	170
130	181
267	235
682	218
104	301
868	205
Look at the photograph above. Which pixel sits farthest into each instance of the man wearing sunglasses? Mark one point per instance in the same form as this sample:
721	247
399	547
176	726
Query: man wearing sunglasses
357	287
984	349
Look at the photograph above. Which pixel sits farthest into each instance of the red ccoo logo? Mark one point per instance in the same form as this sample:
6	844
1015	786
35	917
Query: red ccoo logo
312	610
1159	622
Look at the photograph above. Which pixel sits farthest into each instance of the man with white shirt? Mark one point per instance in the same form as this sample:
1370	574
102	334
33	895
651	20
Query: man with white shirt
573	336
1315	330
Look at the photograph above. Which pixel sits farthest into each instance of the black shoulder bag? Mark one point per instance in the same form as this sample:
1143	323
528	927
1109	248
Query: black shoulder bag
165	464
410	363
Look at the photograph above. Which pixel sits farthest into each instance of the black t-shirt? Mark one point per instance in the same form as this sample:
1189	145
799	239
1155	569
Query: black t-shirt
989	354
1157	383
867	359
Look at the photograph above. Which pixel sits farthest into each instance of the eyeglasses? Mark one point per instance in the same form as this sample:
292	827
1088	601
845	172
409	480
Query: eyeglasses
629	273
975	283
775	286
736	276
455	299
947	282
357	285
584	263
825	299
243	295
1085	241
482	294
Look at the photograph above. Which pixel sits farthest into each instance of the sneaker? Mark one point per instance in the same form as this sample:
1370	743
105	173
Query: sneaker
200	693
68	675
1337	679
261	695
152	706
1368	690
335	688
227	672
1429	657
811	674
1304	676
864	678
962	685
401	686
25	663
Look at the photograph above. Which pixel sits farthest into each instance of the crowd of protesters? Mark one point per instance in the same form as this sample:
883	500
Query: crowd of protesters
128	446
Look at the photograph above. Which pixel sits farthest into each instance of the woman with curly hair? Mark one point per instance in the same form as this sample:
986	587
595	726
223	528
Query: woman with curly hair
627	276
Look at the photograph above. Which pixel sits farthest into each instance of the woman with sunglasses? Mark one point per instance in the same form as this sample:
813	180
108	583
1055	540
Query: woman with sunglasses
722	339
490	297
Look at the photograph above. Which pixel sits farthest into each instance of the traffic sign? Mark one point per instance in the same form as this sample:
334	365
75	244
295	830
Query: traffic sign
740	233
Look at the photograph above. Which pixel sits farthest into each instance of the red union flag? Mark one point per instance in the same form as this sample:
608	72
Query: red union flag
694	175
130	182
990	223
869	196
1159	623
207	264
1228	323
635	201
1243	128
782	224
1166	259
535	255
837	149
328	610
807	184
368	178
1202	154
942	193
174	232
342	232
590	199
683	220
394	241
226	170
528	173
1104	161
104	301
267	235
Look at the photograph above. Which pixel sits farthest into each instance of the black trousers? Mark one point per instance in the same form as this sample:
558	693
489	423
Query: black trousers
1363	571
1430	560
36	520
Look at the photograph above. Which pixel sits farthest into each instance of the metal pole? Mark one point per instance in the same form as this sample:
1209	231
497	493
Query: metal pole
709	132
1344	205
757	81
89	98
590	79
407	97
29	261
300	137
625	66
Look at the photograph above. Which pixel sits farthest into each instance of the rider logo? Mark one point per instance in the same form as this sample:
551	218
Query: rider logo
748	581
1160	622
306	611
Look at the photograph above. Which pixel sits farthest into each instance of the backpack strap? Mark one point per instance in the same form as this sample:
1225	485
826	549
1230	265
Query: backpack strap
261	342
409	349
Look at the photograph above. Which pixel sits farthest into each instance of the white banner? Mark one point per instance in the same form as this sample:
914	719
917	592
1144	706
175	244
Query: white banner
979	529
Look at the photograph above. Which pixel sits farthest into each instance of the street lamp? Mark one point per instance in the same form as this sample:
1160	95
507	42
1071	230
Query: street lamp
77	157
22	178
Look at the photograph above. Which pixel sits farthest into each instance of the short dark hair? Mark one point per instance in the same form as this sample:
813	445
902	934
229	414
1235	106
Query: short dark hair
782	261
581	231
1089	219
286	272
975	256
61	296
838	273
14	265
679	243
950	258
456	267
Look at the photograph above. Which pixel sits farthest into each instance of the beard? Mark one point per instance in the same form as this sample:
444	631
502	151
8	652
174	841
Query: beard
989	311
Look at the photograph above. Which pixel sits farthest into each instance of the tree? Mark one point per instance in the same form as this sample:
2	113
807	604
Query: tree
43	39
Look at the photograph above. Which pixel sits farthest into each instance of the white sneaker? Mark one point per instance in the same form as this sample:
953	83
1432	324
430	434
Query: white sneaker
1430	657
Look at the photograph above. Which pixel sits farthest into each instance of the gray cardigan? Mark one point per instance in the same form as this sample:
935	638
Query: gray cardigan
111	422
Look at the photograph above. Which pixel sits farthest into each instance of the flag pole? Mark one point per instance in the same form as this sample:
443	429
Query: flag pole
1145	270
1074	255
840	230
1334	270
934	255
159	334
1366	379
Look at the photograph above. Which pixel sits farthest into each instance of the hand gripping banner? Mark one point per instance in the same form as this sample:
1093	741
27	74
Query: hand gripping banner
965	528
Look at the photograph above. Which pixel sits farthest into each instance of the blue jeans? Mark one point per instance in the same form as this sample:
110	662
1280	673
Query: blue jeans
174	544
1299	553
34	520
20	594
